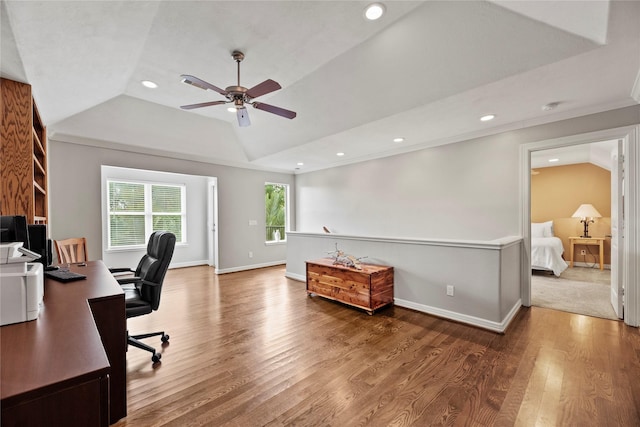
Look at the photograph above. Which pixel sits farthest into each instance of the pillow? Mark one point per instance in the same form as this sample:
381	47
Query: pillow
542	229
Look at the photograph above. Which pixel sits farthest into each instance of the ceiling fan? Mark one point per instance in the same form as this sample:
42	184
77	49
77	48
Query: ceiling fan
239	95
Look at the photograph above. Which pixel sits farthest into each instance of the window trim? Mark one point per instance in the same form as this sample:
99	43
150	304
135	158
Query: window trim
148	212
287	211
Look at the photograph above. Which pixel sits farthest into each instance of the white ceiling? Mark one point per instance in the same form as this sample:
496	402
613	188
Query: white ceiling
426	71
598	153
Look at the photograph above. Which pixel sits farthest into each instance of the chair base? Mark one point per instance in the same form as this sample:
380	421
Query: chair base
134	341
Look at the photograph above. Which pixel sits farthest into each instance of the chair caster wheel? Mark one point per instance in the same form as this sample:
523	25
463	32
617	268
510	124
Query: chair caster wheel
165	338
156	357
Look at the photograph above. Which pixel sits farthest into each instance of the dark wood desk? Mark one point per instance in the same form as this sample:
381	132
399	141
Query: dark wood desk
68	367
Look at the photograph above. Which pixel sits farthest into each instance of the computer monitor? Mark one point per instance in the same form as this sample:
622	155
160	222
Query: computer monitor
39	243
13	228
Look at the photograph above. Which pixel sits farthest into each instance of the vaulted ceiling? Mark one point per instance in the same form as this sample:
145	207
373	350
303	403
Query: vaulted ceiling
426	71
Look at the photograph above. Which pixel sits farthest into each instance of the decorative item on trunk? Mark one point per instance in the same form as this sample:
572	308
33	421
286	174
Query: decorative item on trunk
340	258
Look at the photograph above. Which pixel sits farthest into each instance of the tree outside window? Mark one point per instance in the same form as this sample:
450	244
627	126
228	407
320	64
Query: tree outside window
275	200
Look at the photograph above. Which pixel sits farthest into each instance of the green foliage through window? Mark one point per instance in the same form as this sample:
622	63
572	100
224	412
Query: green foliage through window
138	209
275	201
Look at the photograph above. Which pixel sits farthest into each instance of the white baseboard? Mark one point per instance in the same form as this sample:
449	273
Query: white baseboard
188	264
499	327
226	270
248	267
298	277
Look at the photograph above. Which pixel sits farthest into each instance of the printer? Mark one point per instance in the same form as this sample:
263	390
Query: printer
21	284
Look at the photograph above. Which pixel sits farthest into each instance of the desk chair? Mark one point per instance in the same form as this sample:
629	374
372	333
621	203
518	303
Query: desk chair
142	291
71	251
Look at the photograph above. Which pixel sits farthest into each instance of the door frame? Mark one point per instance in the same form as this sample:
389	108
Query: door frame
617	220
212	222
630	135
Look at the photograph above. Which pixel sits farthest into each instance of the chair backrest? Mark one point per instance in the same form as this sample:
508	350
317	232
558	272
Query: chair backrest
72	250
154	264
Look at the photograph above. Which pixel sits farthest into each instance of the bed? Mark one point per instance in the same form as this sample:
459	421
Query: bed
546	249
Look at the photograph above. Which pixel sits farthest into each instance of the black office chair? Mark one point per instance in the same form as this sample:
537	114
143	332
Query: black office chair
142	291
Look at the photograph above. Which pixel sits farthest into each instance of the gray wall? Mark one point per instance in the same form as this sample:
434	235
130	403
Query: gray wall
467	190
485	275
75	199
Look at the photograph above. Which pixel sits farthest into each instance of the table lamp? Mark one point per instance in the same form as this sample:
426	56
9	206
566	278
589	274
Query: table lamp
586	212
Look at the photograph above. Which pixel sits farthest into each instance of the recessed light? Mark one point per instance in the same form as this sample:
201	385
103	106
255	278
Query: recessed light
553	160
399	139
550	106
487	117
300	164
339	154
149	84
374	11
231	109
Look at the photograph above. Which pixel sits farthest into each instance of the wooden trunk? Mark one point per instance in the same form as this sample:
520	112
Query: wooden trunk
370	288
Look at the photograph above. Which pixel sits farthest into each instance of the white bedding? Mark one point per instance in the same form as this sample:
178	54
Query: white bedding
546	254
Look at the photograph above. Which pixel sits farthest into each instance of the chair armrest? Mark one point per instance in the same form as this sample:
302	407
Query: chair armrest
146	282
129	280
121	270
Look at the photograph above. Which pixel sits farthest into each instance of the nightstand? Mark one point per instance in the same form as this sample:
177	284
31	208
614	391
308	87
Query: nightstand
599	241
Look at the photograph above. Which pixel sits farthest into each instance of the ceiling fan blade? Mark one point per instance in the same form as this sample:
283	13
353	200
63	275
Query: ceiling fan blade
263	88
275	110
194	81
202	104
243	117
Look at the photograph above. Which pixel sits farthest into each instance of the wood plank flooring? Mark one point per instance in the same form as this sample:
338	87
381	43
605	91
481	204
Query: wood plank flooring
251	349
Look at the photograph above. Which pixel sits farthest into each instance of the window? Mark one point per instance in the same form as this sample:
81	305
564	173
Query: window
137	209
276	201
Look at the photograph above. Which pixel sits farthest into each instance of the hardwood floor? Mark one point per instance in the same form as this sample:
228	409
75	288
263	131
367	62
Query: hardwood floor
251	349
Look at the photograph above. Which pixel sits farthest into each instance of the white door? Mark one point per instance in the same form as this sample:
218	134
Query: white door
617	222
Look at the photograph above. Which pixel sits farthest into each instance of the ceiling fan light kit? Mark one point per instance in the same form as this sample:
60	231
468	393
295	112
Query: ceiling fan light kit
238	95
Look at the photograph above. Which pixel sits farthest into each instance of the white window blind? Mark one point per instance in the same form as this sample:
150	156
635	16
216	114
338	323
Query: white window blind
137	209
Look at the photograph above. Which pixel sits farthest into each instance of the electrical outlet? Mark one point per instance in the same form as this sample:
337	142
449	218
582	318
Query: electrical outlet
583	252
250	254
450	290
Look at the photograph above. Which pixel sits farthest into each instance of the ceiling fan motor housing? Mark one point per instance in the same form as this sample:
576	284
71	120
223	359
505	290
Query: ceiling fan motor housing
238	95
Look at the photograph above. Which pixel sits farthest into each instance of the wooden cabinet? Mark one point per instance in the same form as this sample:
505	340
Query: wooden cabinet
23	154
370	288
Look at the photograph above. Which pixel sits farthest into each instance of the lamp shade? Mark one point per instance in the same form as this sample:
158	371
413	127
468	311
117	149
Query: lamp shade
586	211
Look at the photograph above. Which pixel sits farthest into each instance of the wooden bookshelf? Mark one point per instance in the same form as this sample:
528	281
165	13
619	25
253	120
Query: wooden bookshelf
23	154
40	211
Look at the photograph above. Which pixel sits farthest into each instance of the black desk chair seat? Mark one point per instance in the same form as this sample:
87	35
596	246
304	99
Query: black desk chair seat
143	290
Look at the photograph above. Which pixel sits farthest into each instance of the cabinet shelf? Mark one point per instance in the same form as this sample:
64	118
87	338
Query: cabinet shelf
38	166
38	188
37	144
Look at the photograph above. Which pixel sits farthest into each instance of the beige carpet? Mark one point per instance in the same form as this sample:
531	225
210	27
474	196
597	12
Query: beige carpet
577	290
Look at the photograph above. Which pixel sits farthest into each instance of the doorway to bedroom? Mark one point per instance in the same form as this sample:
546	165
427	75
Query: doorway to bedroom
570	272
